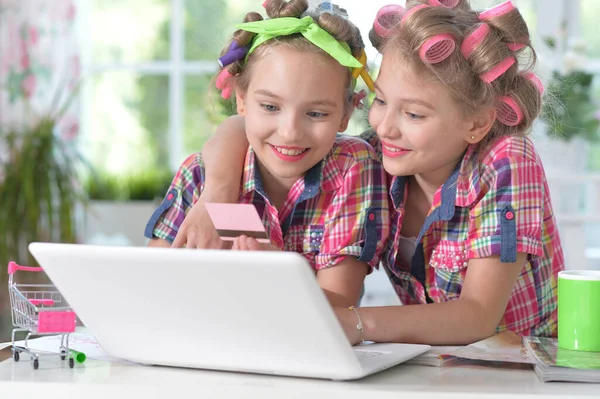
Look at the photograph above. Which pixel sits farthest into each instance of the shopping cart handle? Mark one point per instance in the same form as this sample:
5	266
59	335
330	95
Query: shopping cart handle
13	267
45	302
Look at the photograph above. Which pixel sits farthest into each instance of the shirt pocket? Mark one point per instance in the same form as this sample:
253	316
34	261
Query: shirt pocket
449	263
304	239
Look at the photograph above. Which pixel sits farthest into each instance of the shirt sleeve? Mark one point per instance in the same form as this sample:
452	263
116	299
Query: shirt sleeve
357	220
508	217
183	192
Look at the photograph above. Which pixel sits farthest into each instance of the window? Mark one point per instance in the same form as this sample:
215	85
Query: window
149	64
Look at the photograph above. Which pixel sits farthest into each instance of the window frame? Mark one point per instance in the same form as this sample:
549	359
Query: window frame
177	68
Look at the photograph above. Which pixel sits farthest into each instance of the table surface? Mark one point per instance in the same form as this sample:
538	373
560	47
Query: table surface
102	379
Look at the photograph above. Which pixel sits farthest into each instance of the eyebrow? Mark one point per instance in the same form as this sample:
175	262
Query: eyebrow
412	100
322	102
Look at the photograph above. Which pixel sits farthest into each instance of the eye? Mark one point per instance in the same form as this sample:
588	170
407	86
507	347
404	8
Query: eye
269	107
315	114
414	117
378	101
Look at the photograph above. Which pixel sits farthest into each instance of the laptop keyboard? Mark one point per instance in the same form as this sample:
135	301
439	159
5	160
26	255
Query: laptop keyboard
364	355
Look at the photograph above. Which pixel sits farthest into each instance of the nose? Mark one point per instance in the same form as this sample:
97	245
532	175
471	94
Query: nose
290	128
389	126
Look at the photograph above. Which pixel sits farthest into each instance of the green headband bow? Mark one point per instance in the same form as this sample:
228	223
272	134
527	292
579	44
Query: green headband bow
271	28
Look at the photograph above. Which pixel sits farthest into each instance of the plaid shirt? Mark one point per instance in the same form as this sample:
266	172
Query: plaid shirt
497	205
338	209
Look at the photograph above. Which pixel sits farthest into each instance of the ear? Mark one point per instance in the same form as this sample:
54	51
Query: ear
346	119
480	125
240	101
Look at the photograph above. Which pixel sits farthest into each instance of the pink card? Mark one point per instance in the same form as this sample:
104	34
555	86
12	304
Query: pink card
234	220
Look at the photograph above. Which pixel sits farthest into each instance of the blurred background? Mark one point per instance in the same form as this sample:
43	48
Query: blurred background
101	100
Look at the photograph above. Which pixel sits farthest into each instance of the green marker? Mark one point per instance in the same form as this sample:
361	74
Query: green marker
78	356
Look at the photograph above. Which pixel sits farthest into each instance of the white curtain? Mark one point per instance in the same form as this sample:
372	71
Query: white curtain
39	63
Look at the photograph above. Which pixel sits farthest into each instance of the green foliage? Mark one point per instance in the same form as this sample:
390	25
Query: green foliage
142	186
39	190
570	110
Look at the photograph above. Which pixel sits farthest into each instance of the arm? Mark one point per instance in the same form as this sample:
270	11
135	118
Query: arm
356	227
223	158
159	242
474	316
342	284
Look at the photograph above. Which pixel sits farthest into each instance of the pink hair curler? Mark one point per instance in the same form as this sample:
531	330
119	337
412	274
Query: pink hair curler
498	70
509	112
223	83
264	4
387	18
411	11
497	11
515	46
358	99
474	39
444	3
437	48
536	81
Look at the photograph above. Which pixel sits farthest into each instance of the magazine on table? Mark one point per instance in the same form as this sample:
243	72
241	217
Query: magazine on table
504	347
556	364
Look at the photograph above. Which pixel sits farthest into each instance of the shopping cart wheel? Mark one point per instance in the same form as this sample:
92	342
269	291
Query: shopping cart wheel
71	362
63	354
16	355
36	364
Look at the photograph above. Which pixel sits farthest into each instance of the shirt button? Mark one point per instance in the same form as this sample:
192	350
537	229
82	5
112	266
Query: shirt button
371	217
170	196
510	215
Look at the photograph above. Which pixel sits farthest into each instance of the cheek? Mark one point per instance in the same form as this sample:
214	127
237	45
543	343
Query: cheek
375	116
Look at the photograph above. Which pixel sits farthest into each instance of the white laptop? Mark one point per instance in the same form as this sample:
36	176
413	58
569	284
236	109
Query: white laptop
258	312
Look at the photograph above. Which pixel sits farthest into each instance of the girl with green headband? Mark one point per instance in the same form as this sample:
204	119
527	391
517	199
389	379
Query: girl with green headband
474	247
318	193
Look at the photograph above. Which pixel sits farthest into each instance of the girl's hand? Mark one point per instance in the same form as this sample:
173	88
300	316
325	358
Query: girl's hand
244	243
197	229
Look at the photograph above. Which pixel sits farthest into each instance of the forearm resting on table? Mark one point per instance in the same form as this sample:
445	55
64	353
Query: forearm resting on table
475	315
223	156
456	322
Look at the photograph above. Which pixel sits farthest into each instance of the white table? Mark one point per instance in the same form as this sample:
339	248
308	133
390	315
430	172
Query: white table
98	379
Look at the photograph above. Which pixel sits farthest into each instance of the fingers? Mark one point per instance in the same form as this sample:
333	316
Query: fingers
181	237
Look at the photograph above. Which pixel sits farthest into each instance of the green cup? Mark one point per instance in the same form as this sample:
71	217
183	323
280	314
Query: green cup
579	310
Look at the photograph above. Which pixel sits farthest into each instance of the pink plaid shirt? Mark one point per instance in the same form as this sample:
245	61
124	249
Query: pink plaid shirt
495	205
338	209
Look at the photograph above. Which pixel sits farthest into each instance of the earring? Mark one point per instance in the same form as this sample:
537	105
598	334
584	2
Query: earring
472	137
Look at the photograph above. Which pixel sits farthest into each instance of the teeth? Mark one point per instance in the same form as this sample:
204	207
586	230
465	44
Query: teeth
392	149
285	151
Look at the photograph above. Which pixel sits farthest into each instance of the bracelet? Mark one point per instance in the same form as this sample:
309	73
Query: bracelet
359	326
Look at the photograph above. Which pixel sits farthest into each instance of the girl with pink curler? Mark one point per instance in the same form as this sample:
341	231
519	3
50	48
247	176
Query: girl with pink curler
474	247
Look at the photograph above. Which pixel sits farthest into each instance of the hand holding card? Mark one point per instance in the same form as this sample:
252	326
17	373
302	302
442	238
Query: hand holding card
234	220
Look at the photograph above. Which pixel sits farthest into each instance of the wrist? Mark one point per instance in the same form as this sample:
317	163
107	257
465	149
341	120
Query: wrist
359	330
215	191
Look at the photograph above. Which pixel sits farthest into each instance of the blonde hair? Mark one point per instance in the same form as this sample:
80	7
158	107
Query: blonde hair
336	25
463	77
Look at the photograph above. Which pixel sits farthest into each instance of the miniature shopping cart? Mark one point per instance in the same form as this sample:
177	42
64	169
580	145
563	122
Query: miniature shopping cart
39	309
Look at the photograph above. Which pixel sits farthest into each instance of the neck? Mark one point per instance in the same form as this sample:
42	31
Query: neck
276	188
431	181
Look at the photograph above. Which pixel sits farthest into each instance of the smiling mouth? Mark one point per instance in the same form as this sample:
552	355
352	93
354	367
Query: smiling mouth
394	149
293	152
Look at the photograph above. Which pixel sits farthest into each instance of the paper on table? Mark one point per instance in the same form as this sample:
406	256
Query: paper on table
502	347
82	342
437	356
